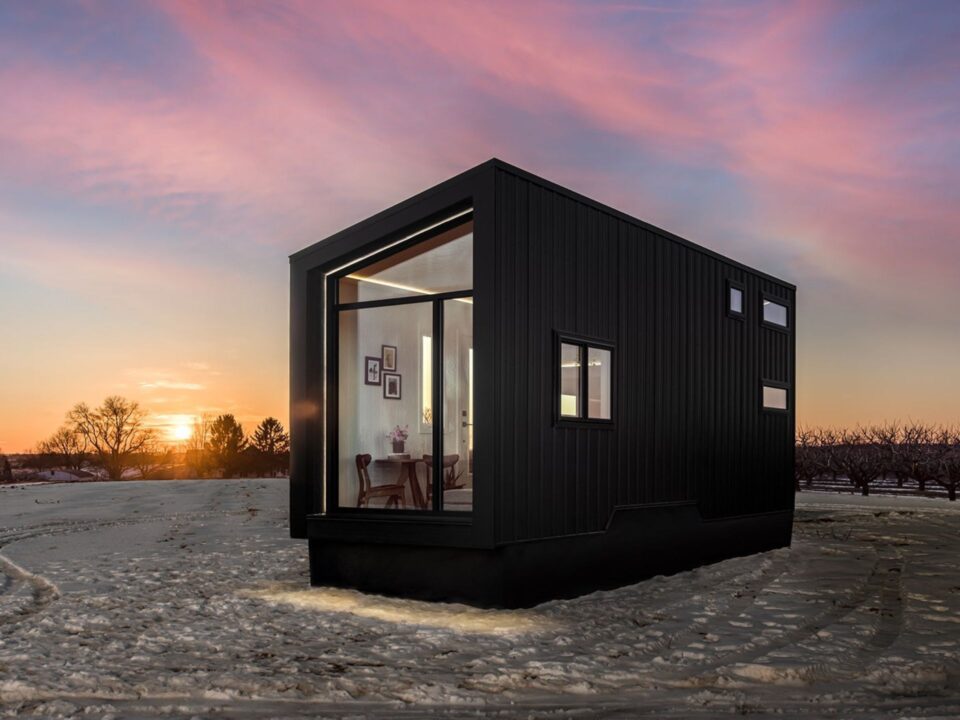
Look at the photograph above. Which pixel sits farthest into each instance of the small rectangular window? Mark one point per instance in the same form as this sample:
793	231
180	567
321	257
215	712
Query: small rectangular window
585	380
774	398
736	301
569	380
774	313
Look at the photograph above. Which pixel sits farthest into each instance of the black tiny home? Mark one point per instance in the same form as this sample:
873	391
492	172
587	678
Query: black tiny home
503	392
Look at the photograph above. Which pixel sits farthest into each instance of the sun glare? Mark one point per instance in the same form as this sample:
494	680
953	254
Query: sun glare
180	428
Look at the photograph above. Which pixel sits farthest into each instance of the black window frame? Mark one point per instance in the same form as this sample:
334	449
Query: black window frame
767	297
334	308
585	343
735	285
764	382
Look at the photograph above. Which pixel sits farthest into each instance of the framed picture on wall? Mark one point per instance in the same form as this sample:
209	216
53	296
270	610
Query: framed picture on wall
388	354
371	374
391	385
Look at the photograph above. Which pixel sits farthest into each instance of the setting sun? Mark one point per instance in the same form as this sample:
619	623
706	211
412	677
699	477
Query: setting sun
180	428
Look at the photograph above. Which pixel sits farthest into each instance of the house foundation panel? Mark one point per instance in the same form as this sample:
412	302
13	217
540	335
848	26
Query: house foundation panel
639	543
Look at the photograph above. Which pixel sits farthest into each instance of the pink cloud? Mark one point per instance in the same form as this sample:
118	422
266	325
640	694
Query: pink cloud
305	116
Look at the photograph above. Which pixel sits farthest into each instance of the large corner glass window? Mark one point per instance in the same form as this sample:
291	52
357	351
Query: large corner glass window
400	374
585	377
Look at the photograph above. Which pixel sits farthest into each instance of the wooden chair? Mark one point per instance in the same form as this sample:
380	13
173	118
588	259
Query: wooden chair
449	472
393	492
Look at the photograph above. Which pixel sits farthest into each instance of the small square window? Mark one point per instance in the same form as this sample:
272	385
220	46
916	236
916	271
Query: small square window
774	313
736	300
774	398
584	381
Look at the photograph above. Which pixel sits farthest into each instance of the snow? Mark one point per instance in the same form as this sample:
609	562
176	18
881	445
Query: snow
154	599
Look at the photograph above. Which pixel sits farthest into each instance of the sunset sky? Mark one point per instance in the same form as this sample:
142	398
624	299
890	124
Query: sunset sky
159	161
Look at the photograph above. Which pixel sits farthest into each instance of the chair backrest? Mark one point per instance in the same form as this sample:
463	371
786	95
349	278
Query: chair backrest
449	463
448	460
362	462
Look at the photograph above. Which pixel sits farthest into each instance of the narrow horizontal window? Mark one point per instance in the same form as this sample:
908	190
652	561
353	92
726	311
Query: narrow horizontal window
774	313
774	398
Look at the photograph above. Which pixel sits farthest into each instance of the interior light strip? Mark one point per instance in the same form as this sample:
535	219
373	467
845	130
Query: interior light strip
405	288
421	231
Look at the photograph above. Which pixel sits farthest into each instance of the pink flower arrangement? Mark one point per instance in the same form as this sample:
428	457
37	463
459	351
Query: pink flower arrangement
399	434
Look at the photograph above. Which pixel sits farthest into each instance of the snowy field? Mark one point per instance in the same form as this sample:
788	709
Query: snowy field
188	599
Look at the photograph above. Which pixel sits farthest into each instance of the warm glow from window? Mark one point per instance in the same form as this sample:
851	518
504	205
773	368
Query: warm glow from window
426	381
568	405
399	286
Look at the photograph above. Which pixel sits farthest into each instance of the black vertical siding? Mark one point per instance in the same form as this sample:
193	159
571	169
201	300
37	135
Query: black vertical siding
688	425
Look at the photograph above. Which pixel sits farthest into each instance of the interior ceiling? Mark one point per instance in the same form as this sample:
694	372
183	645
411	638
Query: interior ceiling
441	268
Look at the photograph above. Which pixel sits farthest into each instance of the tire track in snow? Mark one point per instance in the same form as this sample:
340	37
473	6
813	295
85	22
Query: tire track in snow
882	583
41	592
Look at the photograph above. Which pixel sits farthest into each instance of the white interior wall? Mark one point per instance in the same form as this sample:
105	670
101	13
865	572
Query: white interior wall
365	415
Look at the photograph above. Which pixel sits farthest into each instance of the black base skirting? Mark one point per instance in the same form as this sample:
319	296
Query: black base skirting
639	543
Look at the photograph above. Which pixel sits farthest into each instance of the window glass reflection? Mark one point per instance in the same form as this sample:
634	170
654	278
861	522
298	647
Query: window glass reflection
736	300
569	380
775	313
774	398
381	447
598	383
457	463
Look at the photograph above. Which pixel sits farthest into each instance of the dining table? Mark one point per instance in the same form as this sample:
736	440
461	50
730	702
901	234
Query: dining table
408	473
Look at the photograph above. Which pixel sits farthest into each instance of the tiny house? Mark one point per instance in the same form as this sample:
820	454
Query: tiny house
504	392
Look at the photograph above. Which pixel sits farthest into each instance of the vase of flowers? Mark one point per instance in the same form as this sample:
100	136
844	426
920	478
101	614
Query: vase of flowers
398	436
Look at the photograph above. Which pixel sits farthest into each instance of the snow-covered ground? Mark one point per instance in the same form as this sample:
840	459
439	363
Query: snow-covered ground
188	598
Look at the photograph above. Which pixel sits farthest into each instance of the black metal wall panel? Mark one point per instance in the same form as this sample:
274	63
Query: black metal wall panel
688	423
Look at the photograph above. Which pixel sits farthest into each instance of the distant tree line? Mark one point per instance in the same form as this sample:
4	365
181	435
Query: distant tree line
913	453
116	440
220	447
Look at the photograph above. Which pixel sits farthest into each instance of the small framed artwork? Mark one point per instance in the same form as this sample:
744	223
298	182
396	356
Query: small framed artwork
389	355
372	370
391	385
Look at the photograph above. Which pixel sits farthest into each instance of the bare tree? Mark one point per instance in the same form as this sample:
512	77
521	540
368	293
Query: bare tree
67	445
806	464
827	442
928	456
195	448
151	459
887	439
949	475
860	457
115	431
908	450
